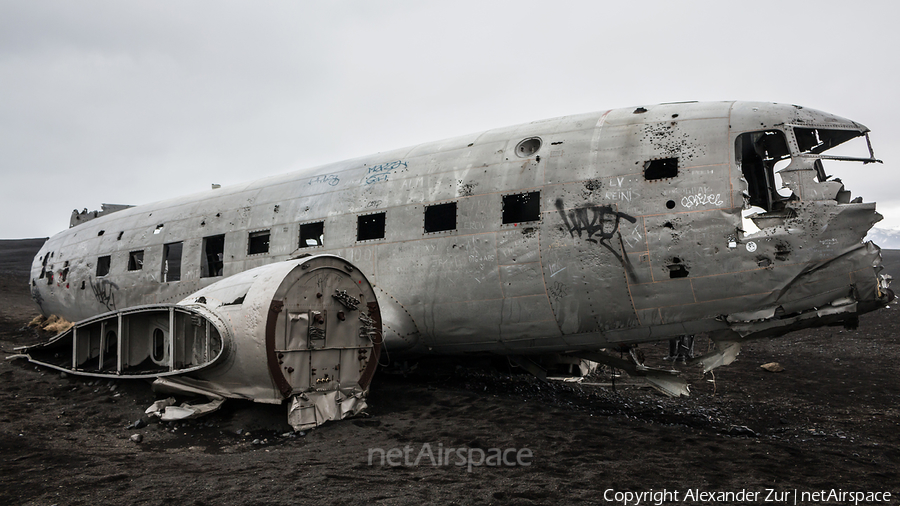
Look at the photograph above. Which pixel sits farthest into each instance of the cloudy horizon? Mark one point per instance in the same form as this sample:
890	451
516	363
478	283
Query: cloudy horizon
130	103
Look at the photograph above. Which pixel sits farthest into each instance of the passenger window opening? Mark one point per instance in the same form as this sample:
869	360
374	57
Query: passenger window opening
103	264
677	270
258	242
440	217
757	154
521	207
662	168
171	270
370	226
312	234
136	260
213	256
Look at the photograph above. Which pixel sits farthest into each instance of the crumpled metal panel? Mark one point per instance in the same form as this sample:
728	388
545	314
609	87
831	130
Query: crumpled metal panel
311	409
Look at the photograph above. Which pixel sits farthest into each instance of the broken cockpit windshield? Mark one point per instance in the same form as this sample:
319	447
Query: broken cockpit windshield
819	140
775	177
757	154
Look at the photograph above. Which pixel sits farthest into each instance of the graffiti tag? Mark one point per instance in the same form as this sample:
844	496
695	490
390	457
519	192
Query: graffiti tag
37	297
599	224
701	199
626	195
103	292
558	291
380	173
329	179
325	281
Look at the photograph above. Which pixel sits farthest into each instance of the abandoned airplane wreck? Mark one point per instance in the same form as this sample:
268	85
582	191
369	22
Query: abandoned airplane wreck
558	238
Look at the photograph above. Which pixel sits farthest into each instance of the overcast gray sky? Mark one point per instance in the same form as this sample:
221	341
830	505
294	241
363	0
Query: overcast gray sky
132	102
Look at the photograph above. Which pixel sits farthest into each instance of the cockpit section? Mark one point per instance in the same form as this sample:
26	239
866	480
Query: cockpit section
784	165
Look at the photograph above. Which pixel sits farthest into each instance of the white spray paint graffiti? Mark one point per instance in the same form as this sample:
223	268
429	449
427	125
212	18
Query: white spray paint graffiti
701	200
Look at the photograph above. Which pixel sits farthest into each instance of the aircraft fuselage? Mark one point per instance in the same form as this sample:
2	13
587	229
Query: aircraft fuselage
565	234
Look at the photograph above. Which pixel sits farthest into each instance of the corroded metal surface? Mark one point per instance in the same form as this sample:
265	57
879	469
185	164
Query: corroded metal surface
635	233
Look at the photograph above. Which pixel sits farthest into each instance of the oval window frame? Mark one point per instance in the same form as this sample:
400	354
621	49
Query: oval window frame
529	147
154	347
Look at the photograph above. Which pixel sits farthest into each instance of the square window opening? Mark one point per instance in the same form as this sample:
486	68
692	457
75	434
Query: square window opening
259	242
440	217
663	168
136	260
171	269
103	264
370	226
213	259
312	234
521	207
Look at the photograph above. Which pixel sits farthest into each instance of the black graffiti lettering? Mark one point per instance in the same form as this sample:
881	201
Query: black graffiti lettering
37	297
593	220
103	291
599	224
558	291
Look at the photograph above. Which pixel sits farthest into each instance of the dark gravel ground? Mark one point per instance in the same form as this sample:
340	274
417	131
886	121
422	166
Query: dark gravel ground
829	421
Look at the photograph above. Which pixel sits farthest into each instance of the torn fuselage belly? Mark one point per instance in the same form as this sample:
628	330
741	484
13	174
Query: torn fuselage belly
306	330
828	292
141	342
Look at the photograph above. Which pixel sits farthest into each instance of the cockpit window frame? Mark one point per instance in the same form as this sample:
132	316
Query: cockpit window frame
756	153
813	140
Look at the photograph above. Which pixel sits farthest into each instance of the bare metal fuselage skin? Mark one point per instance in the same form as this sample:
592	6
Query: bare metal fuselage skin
638	235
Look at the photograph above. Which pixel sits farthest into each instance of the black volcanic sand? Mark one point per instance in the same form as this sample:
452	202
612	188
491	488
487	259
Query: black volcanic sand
829	421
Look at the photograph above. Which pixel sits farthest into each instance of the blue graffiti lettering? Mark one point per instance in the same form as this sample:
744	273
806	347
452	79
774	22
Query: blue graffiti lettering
379	173
329	179
377	178
387	167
